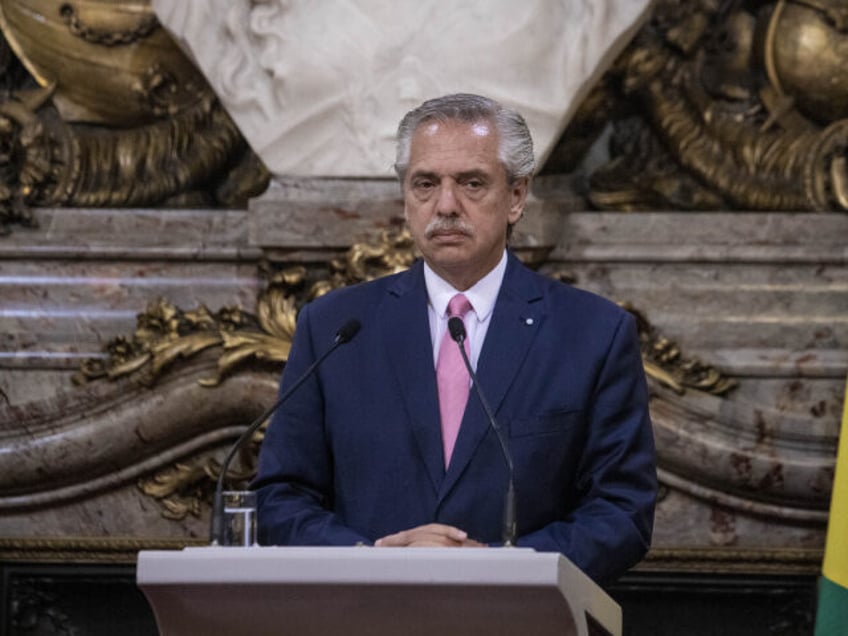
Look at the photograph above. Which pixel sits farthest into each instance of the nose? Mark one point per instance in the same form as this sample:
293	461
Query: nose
446	203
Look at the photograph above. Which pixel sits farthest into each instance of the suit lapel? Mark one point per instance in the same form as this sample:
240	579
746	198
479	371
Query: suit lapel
517	317
403	319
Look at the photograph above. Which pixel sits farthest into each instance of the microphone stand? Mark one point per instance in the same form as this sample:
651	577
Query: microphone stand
343	335
457	332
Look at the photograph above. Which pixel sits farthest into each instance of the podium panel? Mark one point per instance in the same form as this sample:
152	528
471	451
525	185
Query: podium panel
412	591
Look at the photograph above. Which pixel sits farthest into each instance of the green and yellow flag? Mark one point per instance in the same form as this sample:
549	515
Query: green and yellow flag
832	614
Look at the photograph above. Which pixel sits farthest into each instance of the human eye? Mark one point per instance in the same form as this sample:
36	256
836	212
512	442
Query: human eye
473	185
422	184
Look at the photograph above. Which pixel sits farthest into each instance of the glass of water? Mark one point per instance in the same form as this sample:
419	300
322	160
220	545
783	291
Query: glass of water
239	518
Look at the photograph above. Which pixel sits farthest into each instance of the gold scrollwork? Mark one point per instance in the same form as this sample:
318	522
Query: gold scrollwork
166	334
664	362
186	487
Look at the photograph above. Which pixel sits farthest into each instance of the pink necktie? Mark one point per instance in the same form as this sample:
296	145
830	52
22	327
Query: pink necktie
452	379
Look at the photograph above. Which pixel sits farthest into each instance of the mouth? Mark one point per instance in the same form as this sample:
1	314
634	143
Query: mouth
447	238
447	233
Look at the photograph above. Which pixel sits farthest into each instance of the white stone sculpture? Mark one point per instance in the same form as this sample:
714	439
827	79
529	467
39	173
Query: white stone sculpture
317	88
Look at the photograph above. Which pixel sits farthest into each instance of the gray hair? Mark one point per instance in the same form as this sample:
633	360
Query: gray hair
515	145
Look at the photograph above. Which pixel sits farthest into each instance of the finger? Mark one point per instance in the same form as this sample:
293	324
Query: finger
441	529
392	540
433	541
430	534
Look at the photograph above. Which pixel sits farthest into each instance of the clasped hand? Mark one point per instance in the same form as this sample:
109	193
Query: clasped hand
430	535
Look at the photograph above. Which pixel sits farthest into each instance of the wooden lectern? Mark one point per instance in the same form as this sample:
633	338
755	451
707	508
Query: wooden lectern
362	590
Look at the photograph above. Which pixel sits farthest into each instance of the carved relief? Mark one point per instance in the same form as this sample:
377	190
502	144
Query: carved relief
665	363
727	106
714	106
123	118
319	91
106	37
166	334
715	128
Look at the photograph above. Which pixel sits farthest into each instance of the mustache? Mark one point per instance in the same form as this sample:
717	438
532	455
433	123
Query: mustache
447	224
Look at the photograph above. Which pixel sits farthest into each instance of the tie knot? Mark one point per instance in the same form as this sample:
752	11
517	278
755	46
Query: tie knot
458	306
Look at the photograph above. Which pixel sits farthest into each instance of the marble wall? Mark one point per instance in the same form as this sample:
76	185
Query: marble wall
90	471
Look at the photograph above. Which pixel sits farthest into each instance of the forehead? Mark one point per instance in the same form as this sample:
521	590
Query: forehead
443	145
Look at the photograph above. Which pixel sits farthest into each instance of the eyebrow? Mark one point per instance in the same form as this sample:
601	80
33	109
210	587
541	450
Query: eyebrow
427	174
472	174
460	176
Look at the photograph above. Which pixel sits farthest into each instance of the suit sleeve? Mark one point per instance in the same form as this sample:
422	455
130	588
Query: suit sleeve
608	529
294	481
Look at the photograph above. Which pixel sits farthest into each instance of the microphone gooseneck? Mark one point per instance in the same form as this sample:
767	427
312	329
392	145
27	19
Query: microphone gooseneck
344	335
457	332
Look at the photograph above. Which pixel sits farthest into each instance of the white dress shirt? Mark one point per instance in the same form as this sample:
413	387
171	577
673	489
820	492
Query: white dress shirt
482	296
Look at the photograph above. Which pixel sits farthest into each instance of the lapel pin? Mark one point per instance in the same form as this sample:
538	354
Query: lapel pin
528	321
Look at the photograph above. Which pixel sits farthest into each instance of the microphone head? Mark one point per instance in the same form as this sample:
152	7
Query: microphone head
457	329
348	331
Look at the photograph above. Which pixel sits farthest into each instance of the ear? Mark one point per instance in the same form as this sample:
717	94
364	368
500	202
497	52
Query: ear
518	198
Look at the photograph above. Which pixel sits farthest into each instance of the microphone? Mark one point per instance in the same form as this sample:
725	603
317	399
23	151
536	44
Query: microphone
344	335
457	332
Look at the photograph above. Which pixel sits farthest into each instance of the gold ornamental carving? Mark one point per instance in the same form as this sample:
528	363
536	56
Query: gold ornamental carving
112	114
665	362
166	334
714	106
105	37
186	488
726	106
95	52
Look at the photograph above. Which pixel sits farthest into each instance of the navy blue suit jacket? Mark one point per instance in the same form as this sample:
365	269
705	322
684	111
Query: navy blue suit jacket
356	453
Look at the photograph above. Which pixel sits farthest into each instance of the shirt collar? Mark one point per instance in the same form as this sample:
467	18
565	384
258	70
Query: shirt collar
482	295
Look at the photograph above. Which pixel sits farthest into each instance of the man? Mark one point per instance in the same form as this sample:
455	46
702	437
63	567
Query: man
368	450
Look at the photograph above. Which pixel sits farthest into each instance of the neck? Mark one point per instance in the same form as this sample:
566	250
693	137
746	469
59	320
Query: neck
462	279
